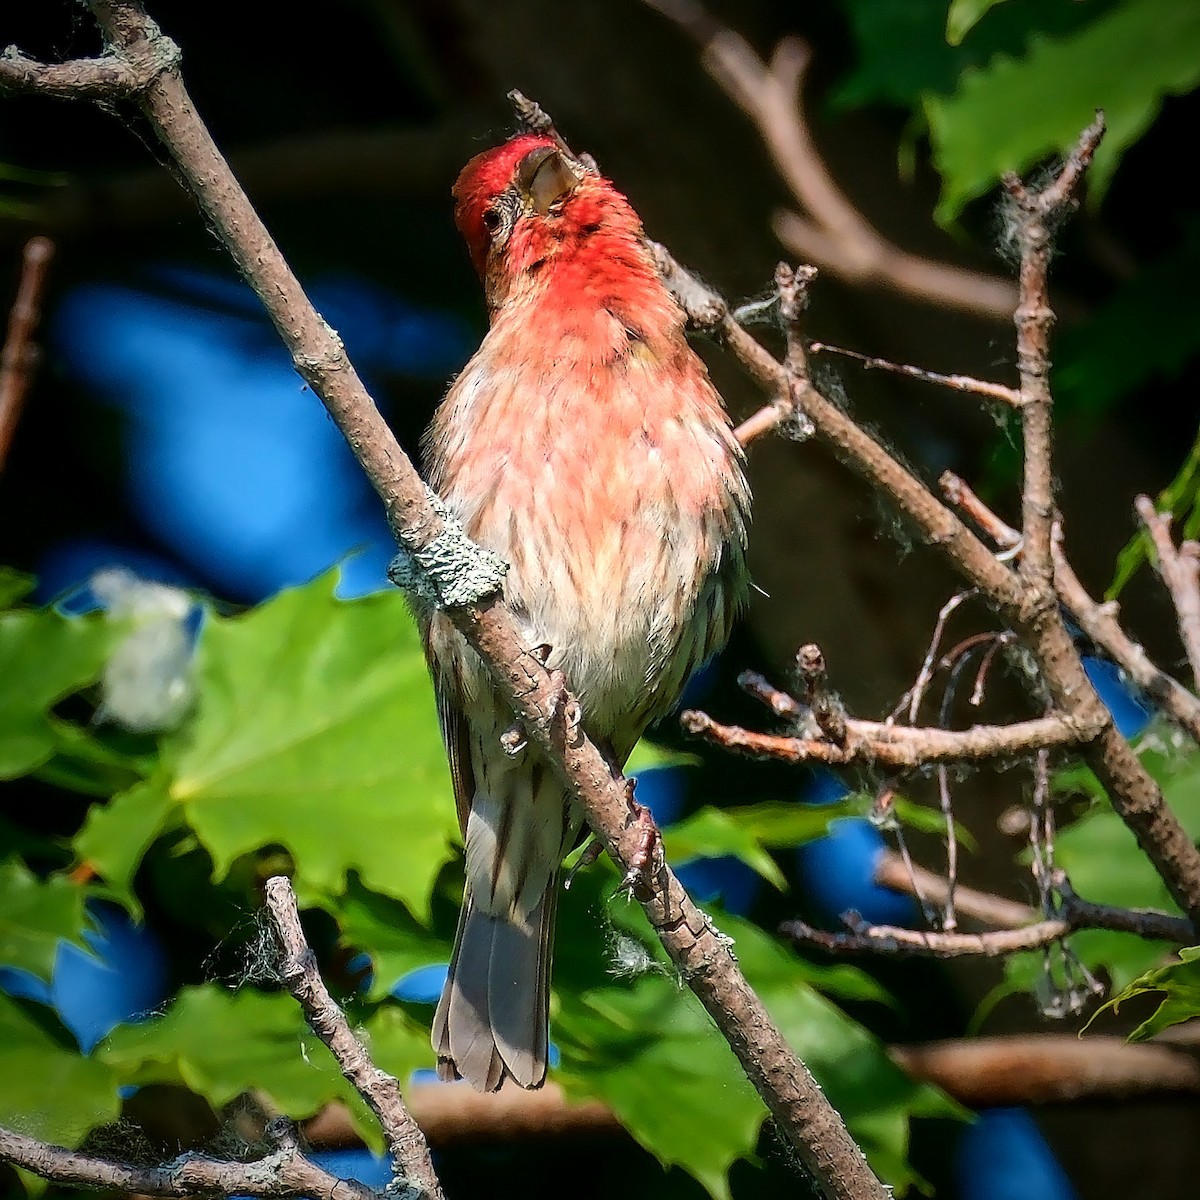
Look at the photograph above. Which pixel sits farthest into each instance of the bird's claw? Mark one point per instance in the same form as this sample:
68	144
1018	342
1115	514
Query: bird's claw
648	850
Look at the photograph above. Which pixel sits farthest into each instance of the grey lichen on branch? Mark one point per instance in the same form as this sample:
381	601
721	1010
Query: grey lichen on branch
450	571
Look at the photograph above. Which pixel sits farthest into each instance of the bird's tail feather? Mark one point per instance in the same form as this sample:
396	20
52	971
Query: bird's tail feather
492	1019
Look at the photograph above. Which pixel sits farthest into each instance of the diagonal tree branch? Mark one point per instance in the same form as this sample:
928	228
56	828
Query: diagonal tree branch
298	971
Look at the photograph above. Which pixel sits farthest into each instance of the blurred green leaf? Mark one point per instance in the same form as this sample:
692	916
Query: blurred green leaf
1010	114
50	1090
316	730
220	1044
14	586
1181	498
964	15
35	915
648	755
84	762
746	833
43	659
116	835
386	931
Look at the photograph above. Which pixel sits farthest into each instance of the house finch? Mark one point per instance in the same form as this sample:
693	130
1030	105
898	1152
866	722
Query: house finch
585	444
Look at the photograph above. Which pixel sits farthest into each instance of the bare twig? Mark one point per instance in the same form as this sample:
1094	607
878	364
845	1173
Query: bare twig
1100	623
703	958
298	971
784	412
1180	571
19	356
865	938
829	230
956	383
958	493
1039	209
1070	915
1135	795
827	709
282	1172
894	747
916	693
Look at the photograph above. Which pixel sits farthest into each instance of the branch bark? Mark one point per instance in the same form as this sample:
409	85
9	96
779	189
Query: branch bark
1179	568
894	747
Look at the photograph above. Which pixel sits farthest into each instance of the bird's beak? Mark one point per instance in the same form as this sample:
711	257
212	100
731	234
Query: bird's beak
545	177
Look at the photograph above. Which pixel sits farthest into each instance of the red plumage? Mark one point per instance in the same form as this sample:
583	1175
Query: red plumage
585	444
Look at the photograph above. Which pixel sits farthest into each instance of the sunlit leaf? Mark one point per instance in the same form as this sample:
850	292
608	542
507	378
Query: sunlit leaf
1010	114
221	1043
1179	983
964	15
316	730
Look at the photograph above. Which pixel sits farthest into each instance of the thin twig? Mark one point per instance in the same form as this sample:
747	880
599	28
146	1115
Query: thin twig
956	383
916	693
381	1091
863	937
958	493
895	747
19	356
826	707
1099	621
1038	210
1179	569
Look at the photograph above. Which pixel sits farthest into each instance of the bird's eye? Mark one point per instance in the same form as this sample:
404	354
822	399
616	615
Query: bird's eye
492	220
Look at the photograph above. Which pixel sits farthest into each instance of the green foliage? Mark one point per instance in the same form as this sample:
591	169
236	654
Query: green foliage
964	15
999	118
43	658
313	747
747	833
635	1036
316	722
1181	497
35	914
1180	984
50	1090
904	49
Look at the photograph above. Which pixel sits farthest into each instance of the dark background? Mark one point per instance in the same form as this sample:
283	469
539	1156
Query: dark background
347	125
